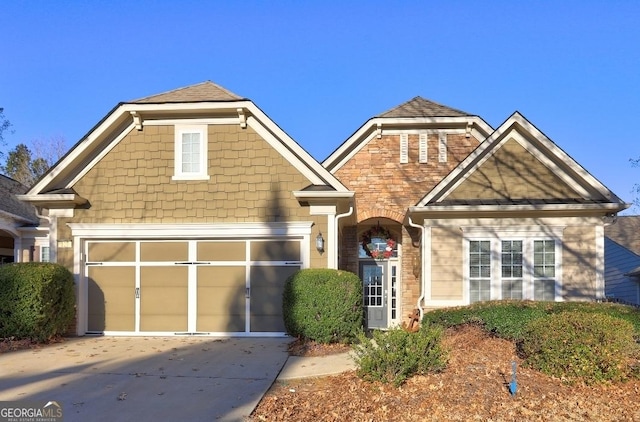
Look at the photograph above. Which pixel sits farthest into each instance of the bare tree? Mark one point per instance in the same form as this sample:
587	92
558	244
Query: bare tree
636	187
27	165
5	124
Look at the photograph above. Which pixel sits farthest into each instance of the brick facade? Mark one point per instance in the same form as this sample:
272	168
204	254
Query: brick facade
385	188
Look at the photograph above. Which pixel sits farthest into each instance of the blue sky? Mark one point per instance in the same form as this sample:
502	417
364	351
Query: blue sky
321	69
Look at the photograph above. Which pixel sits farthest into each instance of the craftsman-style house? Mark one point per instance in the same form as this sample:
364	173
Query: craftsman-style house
184	212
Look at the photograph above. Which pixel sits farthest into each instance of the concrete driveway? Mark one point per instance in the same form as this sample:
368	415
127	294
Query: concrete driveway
146	378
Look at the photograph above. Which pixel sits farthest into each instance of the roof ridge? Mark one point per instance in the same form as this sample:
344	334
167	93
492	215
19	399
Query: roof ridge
419	106
180	93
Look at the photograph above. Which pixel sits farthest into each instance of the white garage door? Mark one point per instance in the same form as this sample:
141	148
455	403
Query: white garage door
216	287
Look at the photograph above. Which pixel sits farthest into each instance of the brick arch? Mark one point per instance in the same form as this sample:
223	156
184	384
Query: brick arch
380	212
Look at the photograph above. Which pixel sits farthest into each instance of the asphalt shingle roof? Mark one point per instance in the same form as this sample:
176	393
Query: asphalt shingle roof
204	91
9	188
419	107
626	232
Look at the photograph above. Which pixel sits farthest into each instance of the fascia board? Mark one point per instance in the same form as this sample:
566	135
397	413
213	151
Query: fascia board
321	194
74	154
59	199
565	158
368	130
153	231
612	207
293	152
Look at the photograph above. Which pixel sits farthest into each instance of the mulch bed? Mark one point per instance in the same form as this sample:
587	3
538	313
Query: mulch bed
473	387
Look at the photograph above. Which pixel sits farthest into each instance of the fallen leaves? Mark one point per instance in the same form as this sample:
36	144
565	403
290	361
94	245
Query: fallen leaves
473	387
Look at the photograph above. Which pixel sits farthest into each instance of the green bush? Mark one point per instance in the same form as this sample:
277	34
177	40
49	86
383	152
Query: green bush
37	300
394	355
323	305
507	319
591	346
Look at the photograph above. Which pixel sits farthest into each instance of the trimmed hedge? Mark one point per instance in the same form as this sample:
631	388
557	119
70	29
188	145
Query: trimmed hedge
508	319
323	305
37	300
580	345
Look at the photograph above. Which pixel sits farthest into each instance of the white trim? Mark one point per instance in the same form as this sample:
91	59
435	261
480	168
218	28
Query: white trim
527	235
203	148
189	231
367	131
186	121
233	334
600	281
101	155
518	128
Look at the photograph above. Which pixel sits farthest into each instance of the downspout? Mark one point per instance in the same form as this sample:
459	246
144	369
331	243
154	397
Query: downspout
338	217
422	269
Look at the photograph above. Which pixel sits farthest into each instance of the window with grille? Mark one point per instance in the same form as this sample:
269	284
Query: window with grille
191	152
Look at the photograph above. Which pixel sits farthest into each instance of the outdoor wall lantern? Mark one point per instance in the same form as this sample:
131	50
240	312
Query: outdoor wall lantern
320	243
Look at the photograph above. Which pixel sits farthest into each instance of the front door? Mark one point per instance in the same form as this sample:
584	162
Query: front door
374	281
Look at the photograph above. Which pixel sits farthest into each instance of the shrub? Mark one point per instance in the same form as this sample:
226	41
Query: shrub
323	305
394	355
594	347
37	300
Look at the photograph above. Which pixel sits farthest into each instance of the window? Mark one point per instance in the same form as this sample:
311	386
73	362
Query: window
422	157
44	254
479	270
544	270
404	148
512	268
442	147
191	152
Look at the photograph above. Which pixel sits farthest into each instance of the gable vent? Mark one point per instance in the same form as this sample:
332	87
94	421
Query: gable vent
442	147
422	156
404	148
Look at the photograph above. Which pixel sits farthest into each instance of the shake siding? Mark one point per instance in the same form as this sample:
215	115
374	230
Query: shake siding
249	182
579	263
512	172
446	263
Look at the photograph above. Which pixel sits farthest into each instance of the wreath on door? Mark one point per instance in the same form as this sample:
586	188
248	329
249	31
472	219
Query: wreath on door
373	250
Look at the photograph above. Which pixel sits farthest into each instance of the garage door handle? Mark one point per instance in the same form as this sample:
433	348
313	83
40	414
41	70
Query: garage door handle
248	294
293	263
137	292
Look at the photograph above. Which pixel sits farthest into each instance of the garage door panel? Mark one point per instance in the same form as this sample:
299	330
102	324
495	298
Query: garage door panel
111	252
164	251
222	251
221	305
163	298
111	302
275	250
267	285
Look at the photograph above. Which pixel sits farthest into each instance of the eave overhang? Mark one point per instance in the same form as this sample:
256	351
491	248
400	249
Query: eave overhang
311	197
54	200
528	210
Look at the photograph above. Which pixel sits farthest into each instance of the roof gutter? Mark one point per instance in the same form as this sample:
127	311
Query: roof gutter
422	267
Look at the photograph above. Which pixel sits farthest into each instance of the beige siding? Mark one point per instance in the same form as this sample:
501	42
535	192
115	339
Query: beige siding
249	182
446	263
513	173
579	263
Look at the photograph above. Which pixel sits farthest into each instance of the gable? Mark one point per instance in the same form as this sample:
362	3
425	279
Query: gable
519	166
134	181
513	173
204	104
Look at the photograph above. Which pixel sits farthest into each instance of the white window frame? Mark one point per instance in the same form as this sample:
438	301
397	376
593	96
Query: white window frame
202	173
41	255
527	236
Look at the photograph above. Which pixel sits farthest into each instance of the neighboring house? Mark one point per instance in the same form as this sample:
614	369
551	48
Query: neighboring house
622	260
20	238
184	212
